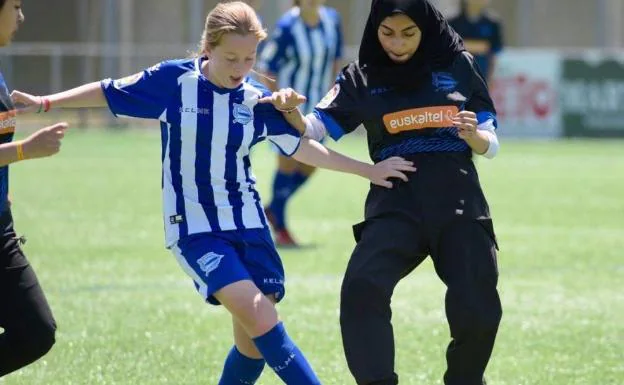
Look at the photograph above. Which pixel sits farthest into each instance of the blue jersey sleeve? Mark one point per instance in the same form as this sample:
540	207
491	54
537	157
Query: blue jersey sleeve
274	53
278	130
144	94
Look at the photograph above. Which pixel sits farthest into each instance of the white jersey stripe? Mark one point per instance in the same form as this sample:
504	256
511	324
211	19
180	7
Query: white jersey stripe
168	194
194	216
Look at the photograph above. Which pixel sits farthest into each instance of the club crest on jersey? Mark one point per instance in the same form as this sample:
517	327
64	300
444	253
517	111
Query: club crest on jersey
209	262
330	97
242	114
444	81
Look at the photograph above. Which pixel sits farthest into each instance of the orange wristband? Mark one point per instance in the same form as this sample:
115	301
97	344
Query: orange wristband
20	151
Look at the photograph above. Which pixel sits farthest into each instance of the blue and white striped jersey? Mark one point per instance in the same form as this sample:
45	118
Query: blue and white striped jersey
207	135
303	57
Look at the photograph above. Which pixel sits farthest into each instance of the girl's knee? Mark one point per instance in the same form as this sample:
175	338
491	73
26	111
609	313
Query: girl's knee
259	318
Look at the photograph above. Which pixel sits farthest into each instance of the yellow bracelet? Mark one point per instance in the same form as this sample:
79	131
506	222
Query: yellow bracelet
20	151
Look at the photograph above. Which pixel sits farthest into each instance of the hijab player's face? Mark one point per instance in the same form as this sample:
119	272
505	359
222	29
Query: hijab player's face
11	17
232	59
400	37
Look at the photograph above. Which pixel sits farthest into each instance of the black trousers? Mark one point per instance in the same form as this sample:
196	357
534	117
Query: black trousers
25	315
440	212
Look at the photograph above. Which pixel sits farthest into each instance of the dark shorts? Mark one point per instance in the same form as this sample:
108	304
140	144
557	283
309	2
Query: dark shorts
24	310
215	260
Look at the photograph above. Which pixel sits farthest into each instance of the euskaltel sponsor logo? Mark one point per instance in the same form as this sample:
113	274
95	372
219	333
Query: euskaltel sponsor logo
420	118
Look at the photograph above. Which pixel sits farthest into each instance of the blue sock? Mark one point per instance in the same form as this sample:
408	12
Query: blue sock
240	369
298	179
285	358
282	190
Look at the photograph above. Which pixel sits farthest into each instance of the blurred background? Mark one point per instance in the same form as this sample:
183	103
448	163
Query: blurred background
561	61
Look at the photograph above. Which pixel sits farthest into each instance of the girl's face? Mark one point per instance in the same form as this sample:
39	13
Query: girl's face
10	17
232	59
400	37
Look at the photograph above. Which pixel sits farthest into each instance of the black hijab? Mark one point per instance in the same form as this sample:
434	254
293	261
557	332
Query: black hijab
439	45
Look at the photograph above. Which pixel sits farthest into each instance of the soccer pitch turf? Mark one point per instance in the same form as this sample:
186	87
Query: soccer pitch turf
128	315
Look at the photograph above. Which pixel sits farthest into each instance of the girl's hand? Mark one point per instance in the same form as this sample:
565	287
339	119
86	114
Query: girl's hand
390	168
284	100
466	123
26	103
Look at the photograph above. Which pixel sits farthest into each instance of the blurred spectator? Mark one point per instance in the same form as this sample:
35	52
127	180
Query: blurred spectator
482	33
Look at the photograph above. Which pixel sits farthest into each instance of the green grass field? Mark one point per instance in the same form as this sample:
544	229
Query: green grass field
128	315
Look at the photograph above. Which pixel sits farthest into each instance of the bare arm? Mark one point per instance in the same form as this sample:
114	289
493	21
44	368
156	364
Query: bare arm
8	153
296	119
286	101
315	154
85	96
481	141
44	142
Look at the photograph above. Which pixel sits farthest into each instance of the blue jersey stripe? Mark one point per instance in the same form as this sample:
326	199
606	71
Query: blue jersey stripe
258	125
203	150
175	155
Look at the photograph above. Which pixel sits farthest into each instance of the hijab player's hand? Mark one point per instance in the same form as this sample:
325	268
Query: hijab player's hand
466	123
284	100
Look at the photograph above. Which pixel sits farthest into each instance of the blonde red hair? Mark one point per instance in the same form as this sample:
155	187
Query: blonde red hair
230	17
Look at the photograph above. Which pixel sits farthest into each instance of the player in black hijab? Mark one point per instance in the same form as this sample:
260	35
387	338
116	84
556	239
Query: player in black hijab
420	97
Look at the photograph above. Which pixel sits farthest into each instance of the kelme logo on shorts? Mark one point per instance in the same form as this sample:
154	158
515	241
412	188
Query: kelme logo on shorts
420	118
